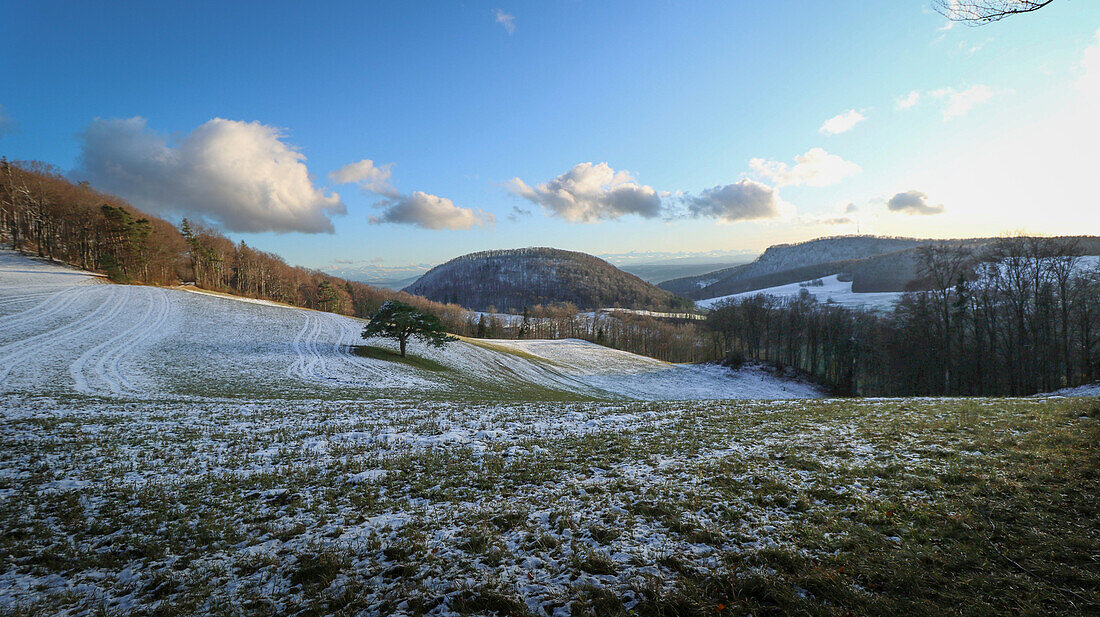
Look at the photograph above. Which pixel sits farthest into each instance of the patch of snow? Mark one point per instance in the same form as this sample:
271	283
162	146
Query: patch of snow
831	290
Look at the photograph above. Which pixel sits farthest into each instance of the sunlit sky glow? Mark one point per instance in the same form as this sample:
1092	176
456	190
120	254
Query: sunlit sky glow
364	135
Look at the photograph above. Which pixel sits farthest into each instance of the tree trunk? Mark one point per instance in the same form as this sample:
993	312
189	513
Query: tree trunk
403	340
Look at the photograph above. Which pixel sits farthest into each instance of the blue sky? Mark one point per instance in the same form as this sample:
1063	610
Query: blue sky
460	99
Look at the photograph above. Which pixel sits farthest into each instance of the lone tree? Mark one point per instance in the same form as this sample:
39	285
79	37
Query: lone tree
400	321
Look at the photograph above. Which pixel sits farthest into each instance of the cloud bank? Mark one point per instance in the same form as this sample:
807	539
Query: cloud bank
913	203
842	122
815	168
741	201
430	212
590	192
240	175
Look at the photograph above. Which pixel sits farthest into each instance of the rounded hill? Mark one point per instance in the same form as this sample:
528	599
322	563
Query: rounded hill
510	280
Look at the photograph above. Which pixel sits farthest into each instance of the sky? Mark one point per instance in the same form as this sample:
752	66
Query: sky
365	138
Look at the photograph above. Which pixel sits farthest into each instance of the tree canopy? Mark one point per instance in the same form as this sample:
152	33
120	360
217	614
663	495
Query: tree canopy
401	322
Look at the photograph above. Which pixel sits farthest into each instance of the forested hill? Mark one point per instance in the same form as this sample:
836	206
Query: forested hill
873	263
510	280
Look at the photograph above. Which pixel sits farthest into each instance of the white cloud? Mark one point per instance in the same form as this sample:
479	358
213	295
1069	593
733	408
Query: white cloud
841	123
815	168
419	208
507	20
367	175
430	212
1089	81
913	202
741	201
588	193
239	174
959	102
907	101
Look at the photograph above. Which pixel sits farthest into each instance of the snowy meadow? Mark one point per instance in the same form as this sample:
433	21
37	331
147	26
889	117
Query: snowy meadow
166	452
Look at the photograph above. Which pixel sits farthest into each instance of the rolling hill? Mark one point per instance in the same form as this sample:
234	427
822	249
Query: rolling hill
510	280
69	332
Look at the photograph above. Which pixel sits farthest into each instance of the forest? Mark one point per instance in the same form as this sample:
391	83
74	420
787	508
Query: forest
1020	316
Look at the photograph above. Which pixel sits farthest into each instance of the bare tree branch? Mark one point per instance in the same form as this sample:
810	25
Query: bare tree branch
980	12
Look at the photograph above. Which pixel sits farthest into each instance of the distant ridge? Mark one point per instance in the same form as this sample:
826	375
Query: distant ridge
510	280
874	263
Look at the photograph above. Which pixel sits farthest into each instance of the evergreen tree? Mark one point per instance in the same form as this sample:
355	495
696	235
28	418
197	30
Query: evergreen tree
525	326
401	322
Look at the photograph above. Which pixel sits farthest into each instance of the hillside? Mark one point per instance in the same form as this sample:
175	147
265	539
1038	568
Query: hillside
67	332
872	264
510	280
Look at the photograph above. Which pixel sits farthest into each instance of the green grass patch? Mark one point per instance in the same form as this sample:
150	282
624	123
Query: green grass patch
379	353
530	357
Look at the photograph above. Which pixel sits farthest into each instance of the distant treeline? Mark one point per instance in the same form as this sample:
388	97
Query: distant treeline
672	340
1020	316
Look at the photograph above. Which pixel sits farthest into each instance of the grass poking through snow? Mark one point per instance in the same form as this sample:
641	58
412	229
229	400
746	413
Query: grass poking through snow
876	507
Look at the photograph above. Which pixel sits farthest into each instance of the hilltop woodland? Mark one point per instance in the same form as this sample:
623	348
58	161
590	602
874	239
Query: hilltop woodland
1017	316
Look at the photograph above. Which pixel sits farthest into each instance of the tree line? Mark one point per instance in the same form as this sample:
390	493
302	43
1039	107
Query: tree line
672	340
1020	316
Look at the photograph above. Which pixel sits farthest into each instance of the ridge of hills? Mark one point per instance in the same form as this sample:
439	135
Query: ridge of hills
873	263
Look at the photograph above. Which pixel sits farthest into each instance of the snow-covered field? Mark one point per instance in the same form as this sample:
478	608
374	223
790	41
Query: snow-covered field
164	452
411	507
69	331
831	290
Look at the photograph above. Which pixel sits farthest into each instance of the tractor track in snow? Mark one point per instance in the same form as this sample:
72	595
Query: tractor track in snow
15	353
27	297
47	308
305	346
103	360
325	356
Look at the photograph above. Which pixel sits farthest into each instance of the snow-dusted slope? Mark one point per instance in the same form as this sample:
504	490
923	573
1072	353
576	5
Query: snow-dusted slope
837	291
63	331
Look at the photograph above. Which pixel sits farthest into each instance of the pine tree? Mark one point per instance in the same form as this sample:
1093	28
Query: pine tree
401	322
525	326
